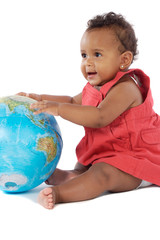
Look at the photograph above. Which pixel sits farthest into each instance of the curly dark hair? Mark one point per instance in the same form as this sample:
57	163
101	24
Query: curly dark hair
123	30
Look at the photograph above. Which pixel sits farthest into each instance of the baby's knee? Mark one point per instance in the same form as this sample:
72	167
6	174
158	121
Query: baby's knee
104	173
113	179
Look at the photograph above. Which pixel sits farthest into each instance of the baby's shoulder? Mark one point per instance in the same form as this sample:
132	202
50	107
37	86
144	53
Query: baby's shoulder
128	85
127	82
125	79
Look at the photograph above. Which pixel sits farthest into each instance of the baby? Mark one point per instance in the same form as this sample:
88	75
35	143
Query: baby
121	148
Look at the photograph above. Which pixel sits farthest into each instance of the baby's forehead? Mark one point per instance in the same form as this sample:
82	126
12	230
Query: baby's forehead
99	36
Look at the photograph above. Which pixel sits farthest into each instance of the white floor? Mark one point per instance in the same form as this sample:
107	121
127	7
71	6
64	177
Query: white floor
127	216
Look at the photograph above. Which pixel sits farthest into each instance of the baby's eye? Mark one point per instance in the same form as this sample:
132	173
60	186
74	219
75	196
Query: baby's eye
97	54
84	55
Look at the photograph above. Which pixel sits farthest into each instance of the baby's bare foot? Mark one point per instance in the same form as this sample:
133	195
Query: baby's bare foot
47	198
61	176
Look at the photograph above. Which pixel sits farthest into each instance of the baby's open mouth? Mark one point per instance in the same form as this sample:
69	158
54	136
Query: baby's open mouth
91	73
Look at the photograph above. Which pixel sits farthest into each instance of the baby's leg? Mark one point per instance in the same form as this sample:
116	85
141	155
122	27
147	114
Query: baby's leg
61	176
99	178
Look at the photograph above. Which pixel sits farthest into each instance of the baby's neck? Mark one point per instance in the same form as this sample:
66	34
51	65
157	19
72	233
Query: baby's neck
97	87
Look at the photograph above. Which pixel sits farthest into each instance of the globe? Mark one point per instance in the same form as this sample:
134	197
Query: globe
30	145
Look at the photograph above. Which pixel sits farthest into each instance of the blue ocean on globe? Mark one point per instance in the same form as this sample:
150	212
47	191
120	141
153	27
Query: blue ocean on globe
30	145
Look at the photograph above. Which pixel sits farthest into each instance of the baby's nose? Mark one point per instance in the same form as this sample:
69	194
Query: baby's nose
89	61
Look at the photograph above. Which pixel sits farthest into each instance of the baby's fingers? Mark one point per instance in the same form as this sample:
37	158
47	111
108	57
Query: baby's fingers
22	94
38	111
40	105
37	97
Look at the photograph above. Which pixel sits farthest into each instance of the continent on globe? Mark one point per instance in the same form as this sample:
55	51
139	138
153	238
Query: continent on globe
15	100
30	145
48	145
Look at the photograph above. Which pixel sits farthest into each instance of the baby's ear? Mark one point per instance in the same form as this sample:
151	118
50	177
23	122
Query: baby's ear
126	60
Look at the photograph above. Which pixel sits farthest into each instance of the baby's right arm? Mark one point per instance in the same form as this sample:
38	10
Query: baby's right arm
62	99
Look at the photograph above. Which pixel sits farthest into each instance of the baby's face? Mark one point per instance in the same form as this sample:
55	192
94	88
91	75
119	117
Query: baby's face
101	57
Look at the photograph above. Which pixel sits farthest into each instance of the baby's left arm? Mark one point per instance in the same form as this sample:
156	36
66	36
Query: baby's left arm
120	98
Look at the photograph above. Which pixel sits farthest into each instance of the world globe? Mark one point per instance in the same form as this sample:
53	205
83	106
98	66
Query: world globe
30	145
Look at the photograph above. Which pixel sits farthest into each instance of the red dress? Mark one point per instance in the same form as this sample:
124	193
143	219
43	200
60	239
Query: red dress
131	142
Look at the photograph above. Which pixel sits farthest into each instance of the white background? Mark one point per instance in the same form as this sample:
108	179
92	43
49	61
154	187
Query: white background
39	52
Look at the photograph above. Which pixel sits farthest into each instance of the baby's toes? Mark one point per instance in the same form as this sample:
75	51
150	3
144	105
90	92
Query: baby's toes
50	205
47	192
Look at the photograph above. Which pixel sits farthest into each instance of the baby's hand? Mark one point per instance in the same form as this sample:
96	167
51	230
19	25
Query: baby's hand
37	97
45	106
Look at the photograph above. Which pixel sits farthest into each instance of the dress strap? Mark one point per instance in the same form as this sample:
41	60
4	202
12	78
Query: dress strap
135	79
106	87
